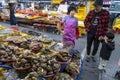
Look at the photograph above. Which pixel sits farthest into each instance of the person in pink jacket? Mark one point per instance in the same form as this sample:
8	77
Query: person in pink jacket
70	32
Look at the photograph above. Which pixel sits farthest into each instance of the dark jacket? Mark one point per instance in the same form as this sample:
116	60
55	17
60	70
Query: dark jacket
13	20
103	22
106	50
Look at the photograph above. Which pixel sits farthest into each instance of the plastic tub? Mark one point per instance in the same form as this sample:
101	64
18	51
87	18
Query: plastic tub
49	77
21	69
22	72
6	61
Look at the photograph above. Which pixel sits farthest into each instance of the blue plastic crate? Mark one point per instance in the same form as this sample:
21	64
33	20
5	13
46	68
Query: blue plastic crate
81	71
81	62
5	66
1	9
65	64
74	51
63	67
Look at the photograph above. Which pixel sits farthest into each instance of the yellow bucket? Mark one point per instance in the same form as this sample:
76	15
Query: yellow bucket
1	73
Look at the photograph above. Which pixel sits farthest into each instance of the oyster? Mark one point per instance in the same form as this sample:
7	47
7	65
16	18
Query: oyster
63	76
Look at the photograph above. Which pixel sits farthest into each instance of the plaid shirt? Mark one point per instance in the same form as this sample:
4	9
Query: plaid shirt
102	25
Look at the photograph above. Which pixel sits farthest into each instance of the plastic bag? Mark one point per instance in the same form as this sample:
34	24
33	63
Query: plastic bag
10	74
119	63
58	46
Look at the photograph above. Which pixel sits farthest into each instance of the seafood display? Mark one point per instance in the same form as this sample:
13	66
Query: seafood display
35	57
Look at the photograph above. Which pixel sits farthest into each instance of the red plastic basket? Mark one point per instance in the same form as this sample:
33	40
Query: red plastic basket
21	69
14	28
6	61
48	76
52	75
64	62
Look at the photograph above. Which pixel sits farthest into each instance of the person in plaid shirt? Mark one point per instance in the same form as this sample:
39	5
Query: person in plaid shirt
96	25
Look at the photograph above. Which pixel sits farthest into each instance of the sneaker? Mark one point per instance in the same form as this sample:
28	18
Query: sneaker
100	67
88	58
93	59
117	75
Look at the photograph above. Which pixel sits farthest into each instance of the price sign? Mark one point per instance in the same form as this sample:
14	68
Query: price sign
56	1
12	1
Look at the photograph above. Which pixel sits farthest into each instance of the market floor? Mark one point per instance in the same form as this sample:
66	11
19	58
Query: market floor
90	71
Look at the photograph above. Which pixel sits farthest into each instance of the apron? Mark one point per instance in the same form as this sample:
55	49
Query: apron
70	32
13	19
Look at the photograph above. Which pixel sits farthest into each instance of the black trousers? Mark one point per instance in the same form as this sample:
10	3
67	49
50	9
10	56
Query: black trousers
92	40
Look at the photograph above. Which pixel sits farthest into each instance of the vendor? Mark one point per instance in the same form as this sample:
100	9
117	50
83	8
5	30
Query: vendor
13	21
70	32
